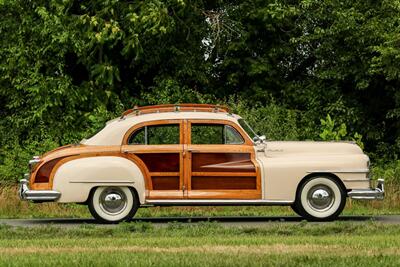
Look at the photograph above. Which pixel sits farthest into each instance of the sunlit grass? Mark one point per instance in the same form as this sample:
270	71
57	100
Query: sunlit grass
203	244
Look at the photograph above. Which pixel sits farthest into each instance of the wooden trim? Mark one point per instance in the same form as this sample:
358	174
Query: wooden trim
146	174
224	194
40	186
237	183
164	174
239	174
186	160
175	107
50	165
165	194
258	172
218	202
219	149
247	140
142	149
151	123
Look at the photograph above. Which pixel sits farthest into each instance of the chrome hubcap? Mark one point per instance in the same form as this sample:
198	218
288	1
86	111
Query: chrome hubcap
113	200
320	198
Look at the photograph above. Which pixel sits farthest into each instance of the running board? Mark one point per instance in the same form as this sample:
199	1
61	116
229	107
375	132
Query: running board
215	202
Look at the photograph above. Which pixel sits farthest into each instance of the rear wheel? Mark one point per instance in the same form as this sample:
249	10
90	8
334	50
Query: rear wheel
320	199
113	204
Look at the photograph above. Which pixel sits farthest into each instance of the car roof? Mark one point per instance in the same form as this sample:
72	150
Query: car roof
114	131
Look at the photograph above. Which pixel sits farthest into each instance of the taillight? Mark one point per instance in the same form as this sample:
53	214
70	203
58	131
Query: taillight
43	174
33	163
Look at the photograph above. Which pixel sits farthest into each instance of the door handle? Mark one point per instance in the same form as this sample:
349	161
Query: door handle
193	150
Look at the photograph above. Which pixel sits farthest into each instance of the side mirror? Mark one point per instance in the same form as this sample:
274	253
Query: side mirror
259	139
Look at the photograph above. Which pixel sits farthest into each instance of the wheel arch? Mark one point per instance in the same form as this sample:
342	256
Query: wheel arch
75	179
320	174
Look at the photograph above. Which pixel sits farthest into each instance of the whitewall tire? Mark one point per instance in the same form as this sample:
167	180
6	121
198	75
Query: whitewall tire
112	204
320	199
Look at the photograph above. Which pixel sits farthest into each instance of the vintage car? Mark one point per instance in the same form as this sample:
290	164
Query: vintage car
197	154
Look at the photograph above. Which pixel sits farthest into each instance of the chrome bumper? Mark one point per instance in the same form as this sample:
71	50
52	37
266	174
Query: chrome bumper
35	195
369	194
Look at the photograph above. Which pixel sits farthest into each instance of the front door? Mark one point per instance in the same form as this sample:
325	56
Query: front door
158	148
220	162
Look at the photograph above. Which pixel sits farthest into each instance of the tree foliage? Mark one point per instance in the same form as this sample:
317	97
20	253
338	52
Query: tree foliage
68	66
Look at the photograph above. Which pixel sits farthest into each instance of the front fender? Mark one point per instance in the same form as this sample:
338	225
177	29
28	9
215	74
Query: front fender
283	174
75	178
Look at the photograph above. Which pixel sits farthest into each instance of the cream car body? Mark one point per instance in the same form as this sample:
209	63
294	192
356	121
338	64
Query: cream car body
280	168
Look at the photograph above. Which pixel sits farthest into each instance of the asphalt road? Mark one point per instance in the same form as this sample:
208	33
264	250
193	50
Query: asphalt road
242	221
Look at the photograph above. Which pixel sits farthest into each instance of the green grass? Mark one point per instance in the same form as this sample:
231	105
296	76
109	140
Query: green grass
203	244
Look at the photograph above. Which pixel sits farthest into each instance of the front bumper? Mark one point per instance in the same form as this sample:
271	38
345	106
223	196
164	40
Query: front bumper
36	195
369	194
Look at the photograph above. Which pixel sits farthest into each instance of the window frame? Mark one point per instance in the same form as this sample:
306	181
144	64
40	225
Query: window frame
136	127
223	138
226	127
239	130
146	134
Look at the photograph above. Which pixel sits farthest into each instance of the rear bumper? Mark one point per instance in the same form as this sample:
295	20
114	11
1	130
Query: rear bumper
369	194
36	195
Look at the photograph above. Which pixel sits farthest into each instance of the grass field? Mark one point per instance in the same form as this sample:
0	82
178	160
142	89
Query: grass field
331	244
198	244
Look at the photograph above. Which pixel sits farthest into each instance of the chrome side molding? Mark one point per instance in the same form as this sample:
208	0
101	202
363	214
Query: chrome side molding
216	202
369	194
36	195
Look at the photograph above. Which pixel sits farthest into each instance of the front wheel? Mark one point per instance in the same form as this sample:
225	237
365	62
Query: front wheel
113	204
320	199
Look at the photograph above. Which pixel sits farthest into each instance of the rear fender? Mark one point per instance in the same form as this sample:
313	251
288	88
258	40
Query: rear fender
75	178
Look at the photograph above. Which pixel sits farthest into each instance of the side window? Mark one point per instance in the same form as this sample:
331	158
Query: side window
156	135
232	136
215	134
138	137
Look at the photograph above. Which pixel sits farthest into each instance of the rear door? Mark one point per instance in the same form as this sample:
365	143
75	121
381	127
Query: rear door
220	162
158	148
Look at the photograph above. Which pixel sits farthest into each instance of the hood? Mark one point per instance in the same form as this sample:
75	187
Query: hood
311	147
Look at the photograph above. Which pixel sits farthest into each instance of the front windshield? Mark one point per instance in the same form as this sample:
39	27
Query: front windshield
247	128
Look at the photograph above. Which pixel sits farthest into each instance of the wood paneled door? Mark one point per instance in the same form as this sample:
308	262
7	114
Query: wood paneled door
220	162
203	159
157	147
